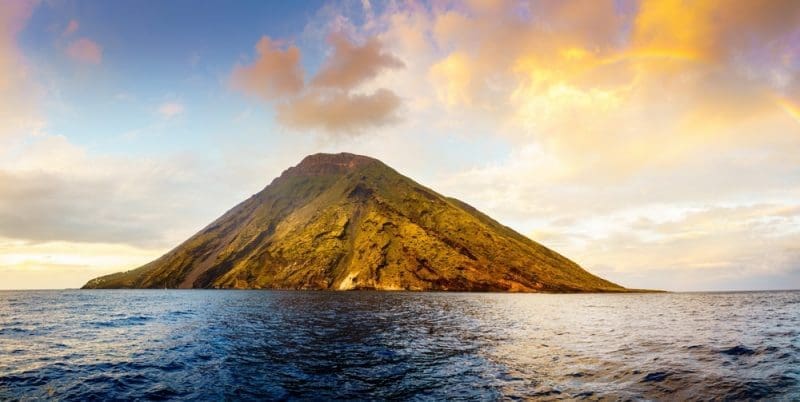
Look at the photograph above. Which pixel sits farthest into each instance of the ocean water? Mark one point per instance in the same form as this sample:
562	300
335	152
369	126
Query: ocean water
212	345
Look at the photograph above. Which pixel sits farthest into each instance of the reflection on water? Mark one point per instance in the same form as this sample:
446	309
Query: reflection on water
174	344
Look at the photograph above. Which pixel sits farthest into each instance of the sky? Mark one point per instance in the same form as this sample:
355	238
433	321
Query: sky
656	143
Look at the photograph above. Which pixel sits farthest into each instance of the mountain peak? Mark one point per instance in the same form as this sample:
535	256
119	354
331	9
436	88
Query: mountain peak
325	164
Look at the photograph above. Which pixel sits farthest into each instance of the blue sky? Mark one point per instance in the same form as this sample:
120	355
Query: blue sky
153	53
653	143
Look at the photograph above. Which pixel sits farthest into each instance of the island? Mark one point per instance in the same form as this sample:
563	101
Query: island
349	222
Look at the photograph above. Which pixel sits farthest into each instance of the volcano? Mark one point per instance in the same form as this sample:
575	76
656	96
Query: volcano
343	222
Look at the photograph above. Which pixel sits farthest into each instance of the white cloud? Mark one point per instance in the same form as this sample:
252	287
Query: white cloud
169	110
60	264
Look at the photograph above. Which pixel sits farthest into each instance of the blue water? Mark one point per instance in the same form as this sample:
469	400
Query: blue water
212	345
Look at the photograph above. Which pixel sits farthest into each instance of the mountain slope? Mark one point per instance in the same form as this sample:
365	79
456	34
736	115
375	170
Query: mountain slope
346	221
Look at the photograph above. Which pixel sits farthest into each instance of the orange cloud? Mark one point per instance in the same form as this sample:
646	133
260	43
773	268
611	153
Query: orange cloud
14	15
613	109
605	86
713	29
85	50
17	93
791	108
594	24
453	79
64	264
274	74
351	65
169	110
71	28
338	111
327	103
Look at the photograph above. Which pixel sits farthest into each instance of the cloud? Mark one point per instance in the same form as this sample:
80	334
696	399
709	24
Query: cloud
275	73
351	65
654	143
86	51
18	114
714	247
713	29
328	103
169	110
338	111
53	190
612	111
604	97
68	214
453	79
45	207
71	28
61	264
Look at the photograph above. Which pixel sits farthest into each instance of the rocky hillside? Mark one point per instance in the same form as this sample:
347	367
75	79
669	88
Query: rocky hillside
346	221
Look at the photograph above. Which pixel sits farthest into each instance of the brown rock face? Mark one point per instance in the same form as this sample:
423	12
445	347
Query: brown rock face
346	221
328	164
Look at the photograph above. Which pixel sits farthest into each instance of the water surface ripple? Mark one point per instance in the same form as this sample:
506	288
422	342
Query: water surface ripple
212	345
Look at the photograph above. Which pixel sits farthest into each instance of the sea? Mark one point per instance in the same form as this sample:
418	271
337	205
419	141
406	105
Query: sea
86	345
